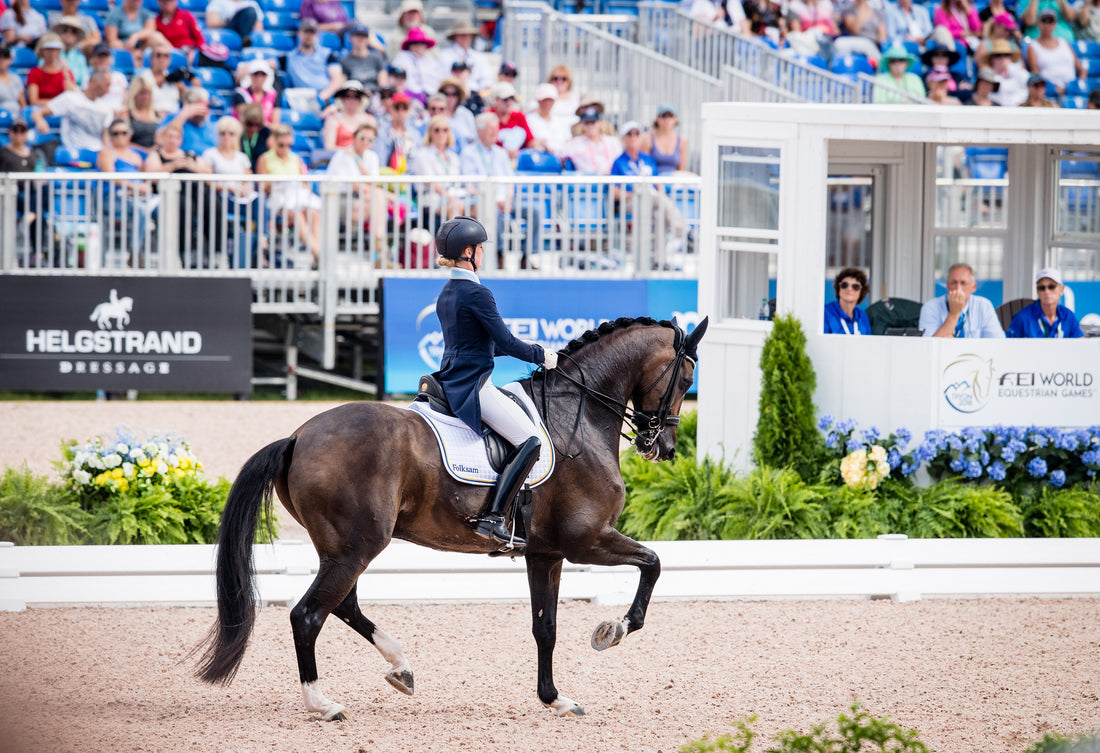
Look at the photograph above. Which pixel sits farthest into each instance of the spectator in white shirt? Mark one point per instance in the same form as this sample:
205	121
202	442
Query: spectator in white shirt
550	132
84	114
462	36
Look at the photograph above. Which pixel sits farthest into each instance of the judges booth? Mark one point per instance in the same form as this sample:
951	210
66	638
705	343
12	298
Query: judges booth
794	193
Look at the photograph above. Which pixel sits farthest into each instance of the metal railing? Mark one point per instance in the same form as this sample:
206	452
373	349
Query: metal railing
630	79
759	72
268	228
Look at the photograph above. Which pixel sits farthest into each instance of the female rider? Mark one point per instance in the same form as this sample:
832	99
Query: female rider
473	332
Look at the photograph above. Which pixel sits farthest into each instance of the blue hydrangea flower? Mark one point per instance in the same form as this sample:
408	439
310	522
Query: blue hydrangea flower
957	464
1057	478
870	435
1017	446
904	436
1067	441
830	440
853	445
973	469
824	423
997	471
1091	457
846	426
893	457
1037	467
1007	454
985	457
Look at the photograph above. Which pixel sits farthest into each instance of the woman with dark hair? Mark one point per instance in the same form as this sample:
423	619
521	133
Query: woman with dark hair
843	316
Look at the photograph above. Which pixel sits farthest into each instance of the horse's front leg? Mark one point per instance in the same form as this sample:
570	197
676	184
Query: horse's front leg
613	548
544	578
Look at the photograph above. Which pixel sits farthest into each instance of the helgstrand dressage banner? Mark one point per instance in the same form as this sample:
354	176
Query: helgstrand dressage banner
121	333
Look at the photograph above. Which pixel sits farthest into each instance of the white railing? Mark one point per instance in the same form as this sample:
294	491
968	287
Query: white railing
888	567
763	72
630	79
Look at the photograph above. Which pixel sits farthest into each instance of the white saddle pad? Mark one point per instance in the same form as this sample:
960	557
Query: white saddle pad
463	449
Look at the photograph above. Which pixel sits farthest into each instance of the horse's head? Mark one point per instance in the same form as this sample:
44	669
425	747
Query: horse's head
666	378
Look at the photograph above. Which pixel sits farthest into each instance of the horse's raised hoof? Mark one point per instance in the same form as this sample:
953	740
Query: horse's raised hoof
402	680
562	706
607	634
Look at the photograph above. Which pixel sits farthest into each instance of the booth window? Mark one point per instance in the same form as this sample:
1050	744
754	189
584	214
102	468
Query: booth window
748	229
972	184
1075	243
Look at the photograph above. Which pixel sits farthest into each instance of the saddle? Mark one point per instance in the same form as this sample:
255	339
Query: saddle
496	447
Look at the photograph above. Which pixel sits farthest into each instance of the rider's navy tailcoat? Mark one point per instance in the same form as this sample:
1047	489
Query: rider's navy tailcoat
473	333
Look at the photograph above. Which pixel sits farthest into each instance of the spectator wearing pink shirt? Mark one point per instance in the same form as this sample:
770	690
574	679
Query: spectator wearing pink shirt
961	19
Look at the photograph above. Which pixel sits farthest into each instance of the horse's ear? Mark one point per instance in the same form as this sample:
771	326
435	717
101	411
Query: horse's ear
692	344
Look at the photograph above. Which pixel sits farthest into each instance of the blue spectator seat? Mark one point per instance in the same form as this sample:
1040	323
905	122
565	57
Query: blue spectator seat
319	158
965	65
987	162
179	60
23	59
215	79
5	120
279	40
54	121
1092	67
48	5
1078	88
1086	48
1050	92
94	7
331	40
536	161
300	99
151	5
349	7
197	8
261	53
308	123
228	37
81	159
1075	103
851	65
913	48
34	138
276	21
304	144
281	6
124	62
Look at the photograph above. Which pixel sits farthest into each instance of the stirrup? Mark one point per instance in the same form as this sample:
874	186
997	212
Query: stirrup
492	526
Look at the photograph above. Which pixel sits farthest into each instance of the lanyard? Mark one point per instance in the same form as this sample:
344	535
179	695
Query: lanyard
1047	329
959	325
855	326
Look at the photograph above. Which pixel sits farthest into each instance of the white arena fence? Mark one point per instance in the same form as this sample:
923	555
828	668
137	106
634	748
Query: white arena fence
891	567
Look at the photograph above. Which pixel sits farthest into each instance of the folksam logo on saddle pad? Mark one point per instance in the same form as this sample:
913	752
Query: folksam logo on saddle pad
76	334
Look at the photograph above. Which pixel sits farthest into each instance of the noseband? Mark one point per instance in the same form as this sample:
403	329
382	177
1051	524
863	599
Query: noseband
647	425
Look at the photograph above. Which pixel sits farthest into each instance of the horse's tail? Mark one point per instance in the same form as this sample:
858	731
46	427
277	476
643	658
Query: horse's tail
248	498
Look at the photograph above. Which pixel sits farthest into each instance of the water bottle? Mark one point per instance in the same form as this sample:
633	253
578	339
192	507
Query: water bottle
40	165
92	248
765	312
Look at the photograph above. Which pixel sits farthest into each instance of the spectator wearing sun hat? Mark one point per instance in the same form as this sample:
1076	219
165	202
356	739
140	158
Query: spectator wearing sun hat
897	75
550	131
462	36
71	8
1003	27
422	71
71	31
1004	60
985	86
410	15
1046	317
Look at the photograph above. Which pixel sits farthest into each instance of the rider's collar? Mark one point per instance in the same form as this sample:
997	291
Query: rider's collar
457	273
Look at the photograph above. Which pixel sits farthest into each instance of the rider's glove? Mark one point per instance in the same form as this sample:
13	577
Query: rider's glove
550	359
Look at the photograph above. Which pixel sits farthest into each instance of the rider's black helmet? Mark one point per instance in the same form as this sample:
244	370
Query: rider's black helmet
455	235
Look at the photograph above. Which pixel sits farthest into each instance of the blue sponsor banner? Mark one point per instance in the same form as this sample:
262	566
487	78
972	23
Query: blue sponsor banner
549	312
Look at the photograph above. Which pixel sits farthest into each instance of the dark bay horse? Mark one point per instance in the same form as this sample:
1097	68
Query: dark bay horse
362	474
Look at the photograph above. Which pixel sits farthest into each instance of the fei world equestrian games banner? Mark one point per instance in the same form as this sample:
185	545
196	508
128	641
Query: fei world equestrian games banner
83	334
549	312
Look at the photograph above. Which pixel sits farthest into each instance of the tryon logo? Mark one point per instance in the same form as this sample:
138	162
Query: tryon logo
967	382
116	308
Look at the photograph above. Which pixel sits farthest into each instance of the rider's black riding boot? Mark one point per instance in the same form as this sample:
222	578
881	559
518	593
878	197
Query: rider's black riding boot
491	521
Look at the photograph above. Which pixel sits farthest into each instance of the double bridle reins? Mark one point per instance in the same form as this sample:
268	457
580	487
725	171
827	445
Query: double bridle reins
647	425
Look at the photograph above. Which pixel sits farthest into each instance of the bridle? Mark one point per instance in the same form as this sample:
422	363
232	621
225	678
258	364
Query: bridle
647	425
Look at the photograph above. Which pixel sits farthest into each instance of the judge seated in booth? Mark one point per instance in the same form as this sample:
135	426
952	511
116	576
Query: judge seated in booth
1046	317
960	313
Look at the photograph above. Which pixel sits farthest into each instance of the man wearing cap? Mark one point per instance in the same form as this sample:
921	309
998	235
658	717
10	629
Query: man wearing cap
71	9
193	120
897	76
1036	92
462	36
507	73
1046	317
418	113
636	163
167	94
364	63
550	132
312	66
1012	77
1064	14
18	157
592	151
241	16
515	134
103	59
84	114
474	102
960	313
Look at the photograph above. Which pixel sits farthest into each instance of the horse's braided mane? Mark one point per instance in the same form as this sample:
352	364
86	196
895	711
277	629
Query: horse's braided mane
608	327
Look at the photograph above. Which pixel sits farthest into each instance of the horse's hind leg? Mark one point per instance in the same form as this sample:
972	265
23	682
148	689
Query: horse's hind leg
401	675
333	583
613	548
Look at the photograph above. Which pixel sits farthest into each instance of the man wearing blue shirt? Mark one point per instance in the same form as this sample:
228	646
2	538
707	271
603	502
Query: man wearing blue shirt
632	162
193	120
1045	317
960	313
312	66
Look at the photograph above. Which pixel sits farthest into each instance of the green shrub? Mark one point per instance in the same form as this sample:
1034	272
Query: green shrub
952	509
774	503
786	436
676	500
1060	513
36	512
1052	742
857	732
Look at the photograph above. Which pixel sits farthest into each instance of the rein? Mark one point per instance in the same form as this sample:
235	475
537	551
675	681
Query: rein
647	425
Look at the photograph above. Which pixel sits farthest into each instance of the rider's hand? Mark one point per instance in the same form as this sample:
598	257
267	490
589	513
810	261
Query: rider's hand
550	359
